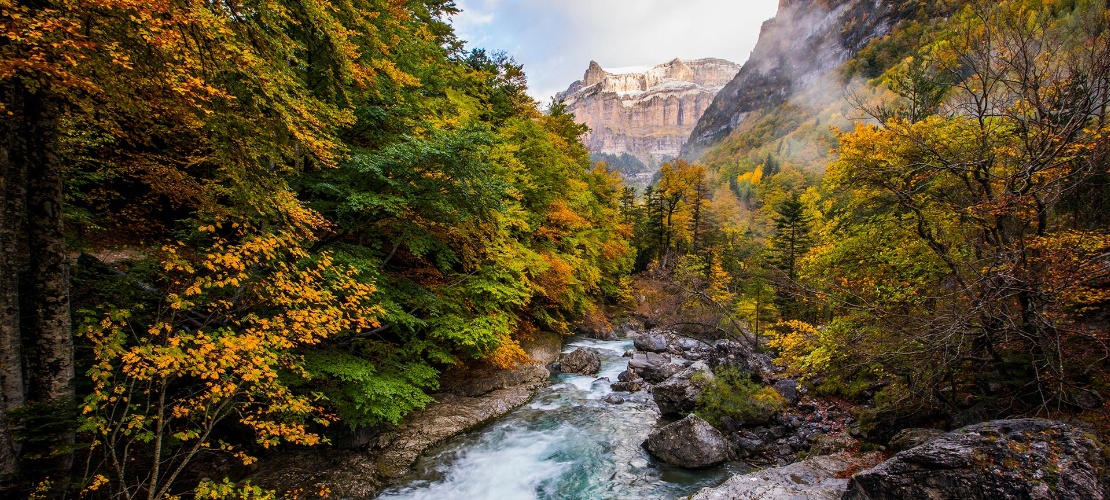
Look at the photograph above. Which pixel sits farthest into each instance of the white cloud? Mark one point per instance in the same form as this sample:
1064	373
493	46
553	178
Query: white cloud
556	39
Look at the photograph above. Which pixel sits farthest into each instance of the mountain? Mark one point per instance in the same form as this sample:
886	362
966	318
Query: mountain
798	51
645	112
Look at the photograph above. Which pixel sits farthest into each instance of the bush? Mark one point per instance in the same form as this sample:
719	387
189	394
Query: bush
734	395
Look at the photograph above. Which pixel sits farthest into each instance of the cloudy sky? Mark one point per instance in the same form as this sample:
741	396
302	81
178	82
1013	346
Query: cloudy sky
556	39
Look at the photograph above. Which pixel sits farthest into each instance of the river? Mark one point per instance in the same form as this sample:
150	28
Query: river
567	443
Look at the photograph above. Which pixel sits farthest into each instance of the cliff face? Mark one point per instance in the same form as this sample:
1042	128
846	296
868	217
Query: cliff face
646	112
800	47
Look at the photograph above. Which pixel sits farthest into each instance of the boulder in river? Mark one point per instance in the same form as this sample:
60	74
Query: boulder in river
653	341
820	478
677	395
1023	458
690	442
652	367
582	361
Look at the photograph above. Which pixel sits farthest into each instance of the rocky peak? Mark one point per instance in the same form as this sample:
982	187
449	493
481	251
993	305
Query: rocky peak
645	112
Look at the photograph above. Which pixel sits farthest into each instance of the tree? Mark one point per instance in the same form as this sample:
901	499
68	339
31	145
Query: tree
791	239
975	192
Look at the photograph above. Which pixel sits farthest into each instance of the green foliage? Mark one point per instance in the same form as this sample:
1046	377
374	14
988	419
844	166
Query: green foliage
734	395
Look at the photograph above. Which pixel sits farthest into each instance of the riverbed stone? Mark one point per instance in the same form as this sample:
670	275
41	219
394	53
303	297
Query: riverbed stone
628	385
652	341
677	396
581	361
690	442
614	399
1021	458
652	367
817	478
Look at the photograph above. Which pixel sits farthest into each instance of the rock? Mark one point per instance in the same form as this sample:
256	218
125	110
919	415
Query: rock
826	444
730	354
690	442
628	386
630	327
813	478
614	399
788	389
653	341
1023	458
605	334
912	438
677	395
651	367
481	378
582	361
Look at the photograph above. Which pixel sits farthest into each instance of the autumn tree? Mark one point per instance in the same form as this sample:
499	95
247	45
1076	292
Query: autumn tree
965	289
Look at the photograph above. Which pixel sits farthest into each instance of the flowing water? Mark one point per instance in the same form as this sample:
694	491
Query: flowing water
567	443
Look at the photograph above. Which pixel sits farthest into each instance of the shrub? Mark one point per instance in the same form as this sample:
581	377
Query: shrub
734	395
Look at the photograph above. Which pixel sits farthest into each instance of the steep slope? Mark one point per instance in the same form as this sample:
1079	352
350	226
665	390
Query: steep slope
645	112
797	51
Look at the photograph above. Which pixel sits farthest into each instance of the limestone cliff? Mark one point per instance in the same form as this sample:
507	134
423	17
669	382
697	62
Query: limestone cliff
798	49
646	112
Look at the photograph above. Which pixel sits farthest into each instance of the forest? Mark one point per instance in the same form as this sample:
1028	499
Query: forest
227	226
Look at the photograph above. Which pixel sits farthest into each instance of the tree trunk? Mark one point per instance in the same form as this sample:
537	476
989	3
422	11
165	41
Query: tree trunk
12	205
50	370
52	376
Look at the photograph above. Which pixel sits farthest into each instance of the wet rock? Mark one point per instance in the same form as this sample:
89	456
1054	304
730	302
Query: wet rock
912	438
788	389
652	367
605	334
614	399
691	348
628	386
690	442
653	341
677	395
1024	458
582	361
814	478
730	354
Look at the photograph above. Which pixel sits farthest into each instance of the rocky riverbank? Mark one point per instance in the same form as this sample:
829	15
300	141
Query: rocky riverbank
364	462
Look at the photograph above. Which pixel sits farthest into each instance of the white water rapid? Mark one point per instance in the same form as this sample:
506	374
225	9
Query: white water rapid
567	443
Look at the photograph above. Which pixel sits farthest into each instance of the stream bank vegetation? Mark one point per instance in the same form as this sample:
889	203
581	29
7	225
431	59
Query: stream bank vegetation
946	262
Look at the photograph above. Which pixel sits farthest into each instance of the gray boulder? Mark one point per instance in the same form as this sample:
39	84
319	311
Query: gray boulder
582	361
690	442
912	438
691	348
653	341
628	385
1024	458
814	478
730	354
651	367
788	389
677	395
